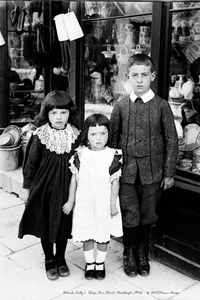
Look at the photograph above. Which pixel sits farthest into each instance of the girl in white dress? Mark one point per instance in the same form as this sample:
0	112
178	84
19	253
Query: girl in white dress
94	190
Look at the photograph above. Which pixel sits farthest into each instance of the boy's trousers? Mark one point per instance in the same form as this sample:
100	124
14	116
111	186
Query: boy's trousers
138	203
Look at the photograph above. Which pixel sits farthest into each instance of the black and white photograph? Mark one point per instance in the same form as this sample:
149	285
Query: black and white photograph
99	150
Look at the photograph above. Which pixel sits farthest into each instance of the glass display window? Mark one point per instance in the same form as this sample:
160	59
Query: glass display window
185	5
109	41
25	59
94	9
184	82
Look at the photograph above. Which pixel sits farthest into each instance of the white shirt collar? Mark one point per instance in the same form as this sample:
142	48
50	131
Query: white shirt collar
146	97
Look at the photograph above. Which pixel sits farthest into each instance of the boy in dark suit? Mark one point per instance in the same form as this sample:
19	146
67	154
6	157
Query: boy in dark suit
142	125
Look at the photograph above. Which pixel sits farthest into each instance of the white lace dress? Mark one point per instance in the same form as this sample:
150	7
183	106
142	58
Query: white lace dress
91	216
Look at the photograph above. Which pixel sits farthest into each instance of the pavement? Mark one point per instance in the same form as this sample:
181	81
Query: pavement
22	275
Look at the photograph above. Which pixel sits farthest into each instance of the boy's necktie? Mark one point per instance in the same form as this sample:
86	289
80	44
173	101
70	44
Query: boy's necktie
138	100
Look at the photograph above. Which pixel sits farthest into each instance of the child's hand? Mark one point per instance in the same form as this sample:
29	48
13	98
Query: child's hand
167	182
67	207
113	210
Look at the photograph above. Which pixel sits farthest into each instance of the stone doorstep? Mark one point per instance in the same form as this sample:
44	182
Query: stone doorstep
12	181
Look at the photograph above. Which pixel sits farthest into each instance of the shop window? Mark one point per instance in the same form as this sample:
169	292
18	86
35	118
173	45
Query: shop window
25	59
114	9
184	82
186	4
108	43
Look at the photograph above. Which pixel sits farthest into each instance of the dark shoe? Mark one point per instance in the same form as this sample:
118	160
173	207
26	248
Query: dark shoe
100	274
130	266
62	267
63	271
89	274
142	260
51	271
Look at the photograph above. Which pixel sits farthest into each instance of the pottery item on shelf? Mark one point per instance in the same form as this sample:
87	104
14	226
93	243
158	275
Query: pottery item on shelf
186	164
190	114
191	137
144	35
180	81
39	83
96	82
130	35
123	55
137	50
187	88
174	93
108	53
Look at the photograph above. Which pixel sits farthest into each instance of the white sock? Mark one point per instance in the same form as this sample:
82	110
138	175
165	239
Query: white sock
101	257
89	258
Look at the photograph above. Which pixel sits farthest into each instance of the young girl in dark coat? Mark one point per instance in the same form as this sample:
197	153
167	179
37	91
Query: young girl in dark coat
46	179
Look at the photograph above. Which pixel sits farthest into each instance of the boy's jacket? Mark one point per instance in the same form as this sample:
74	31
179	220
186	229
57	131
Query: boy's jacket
148	139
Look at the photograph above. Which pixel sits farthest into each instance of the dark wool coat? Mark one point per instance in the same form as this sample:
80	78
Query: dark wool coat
46	173
147	135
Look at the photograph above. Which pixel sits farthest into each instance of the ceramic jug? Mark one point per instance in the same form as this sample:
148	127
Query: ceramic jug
137	50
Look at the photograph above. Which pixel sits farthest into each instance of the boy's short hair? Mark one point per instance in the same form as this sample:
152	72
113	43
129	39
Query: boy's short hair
140	59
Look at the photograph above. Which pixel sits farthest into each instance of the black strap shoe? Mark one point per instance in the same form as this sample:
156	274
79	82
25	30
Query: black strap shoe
142	260
51	271
63	271
89	274
100	274
130	266
62	267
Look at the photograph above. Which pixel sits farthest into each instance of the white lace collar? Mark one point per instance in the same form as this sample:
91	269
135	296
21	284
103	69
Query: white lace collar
59	141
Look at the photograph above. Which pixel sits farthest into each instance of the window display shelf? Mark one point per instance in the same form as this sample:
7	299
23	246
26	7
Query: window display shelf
21	120
28	91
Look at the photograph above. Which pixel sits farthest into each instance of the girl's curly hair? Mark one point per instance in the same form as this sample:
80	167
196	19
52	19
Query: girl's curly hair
57	99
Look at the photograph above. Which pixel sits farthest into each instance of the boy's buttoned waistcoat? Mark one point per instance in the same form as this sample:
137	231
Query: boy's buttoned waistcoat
147	135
